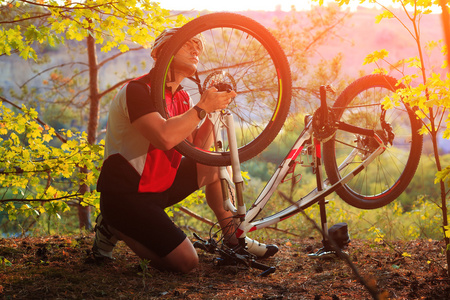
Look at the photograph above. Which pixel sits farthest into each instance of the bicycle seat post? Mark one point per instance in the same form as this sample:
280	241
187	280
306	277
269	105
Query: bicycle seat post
319	177
323	103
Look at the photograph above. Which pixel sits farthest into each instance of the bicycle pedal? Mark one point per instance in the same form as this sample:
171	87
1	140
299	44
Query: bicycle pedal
205	246
199	245
324	253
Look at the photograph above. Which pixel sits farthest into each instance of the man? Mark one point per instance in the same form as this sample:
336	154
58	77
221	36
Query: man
142	173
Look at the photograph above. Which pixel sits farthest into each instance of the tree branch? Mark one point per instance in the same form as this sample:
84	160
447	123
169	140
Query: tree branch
110	89
60	137
41	200
117	55
51	68
196	216
211	223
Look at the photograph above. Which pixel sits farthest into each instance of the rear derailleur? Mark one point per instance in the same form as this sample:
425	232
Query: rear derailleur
232	256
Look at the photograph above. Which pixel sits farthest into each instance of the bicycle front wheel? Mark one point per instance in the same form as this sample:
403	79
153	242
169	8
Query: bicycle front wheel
383	180
244	55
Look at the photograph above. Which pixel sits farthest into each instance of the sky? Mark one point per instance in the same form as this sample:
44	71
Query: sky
242	5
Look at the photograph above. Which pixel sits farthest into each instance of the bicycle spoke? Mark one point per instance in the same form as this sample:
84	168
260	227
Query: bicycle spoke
227	56
388	175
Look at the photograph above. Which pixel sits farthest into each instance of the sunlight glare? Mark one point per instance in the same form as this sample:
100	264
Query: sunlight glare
258	5
236	5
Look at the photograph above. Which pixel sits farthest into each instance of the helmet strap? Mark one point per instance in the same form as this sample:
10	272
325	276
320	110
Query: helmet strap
196	79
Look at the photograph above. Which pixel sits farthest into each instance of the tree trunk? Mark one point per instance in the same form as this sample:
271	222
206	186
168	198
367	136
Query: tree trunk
443	196
446	26
84	211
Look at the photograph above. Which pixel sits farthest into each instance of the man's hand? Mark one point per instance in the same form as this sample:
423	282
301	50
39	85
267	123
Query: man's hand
213	100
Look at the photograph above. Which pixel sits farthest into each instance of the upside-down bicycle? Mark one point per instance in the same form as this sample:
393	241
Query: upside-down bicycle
369	153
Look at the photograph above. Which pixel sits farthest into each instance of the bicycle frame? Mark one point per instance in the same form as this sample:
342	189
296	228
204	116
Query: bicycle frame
247	219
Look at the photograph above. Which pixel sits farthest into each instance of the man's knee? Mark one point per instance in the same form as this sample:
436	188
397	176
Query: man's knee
206	175
183	259
188	265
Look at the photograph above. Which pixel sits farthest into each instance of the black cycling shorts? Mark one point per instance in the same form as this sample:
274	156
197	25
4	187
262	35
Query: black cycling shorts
142	217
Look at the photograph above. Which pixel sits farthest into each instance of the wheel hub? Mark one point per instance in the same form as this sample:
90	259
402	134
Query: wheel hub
222	80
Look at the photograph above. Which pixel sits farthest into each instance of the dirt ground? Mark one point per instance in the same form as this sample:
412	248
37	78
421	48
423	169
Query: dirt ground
59	267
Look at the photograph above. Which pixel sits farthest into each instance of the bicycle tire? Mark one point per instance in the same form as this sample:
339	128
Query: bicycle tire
240	52
389	174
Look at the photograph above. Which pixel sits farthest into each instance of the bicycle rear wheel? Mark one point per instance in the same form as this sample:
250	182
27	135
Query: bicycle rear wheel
390	173
243	54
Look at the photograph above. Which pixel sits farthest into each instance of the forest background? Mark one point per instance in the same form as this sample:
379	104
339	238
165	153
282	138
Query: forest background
49	83
44	99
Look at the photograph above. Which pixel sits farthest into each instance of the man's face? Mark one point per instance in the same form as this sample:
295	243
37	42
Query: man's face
186	59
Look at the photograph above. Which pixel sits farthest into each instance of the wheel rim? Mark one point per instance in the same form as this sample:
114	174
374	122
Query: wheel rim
380	178
236	57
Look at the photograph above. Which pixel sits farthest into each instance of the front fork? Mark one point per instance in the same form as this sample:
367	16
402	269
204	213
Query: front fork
224	120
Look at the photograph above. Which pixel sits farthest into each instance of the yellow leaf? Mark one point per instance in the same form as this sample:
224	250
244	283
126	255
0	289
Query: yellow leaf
375	56
124	48
65	147
447	231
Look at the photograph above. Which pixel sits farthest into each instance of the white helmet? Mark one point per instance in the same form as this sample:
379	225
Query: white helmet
165	36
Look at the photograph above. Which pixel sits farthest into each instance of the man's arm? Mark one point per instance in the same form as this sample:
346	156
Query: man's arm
166	134
203	136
